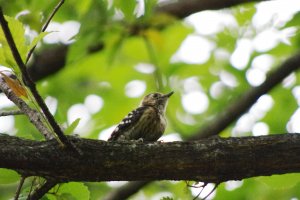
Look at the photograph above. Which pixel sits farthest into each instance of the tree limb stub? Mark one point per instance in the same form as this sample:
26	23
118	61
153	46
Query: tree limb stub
212	160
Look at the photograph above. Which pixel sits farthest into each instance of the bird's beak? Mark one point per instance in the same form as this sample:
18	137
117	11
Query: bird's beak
169	94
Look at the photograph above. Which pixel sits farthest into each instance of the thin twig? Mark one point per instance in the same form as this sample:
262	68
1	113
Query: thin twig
11	112
33	48
32	85
31	190
203	186
20	187
44	28
126	190
217	184
39	193
49	184
33	115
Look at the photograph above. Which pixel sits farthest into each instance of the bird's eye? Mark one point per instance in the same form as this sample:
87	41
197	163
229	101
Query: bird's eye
154	95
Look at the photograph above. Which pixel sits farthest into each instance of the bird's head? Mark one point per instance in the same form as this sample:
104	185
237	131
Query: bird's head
156	99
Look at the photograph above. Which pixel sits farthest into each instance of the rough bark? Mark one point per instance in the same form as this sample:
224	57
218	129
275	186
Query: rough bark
213	160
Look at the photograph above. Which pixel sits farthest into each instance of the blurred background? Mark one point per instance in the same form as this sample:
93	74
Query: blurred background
103	56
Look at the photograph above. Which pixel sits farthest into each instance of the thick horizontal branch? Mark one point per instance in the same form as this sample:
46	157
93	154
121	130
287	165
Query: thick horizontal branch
213	160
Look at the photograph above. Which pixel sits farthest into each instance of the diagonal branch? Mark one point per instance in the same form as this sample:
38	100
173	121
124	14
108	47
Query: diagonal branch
19	187
126	190
46	187
242	104
33	115
45	27
39	193
30	83
184	8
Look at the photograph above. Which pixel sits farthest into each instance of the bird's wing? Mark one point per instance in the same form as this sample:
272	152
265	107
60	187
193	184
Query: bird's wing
129	121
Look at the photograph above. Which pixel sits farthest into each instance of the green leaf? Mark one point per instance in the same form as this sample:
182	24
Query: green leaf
127	7
67	196
280	181
83	6
76	190
2	57
37	39
51	197
8	176
186	190
27	136
17	31
72	127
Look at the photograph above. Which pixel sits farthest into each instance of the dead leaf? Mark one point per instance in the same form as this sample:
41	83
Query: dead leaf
15	85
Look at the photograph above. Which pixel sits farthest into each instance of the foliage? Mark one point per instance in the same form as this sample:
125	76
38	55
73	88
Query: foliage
8	176
72	127
151	39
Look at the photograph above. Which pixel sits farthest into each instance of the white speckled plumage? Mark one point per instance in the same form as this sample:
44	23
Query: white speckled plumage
147	122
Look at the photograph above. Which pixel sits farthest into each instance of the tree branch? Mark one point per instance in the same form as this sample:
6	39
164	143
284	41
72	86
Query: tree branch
48	62
30	83
44	66
233	111
210	160
32	115
19	187
38	194
126	190
243	103
228	116
184	8
44	27
11	112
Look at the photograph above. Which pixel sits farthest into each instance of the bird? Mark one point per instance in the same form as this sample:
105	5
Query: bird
147	122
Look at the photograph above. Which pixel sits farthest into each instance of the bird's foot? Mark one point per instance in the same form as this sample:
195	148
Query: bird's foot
140	140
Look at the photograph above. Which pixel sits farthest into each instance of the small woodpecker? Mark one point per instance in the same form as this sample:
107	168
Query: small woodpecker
148	122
